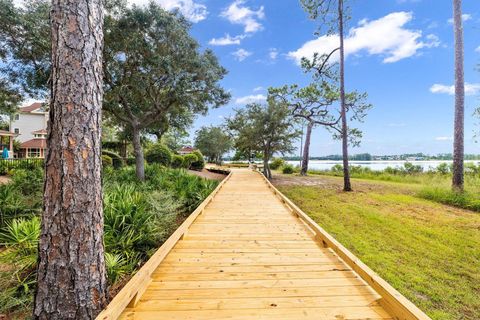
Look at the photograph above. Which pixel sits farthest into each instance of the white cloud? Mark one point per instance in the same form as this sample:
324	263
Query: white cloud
444	138
238	14
241	54
478	49
386	36
465	17
195	12
258	89
227	40
273	54
470	89
253	98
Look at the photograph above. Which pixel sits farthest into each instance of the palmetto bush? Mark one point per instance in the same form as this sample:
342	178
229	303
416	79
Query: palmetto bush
12	204
138	218
130	229
20	241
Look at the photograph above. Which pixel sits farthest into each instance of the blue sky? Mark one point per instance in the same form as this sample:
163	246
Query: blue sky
399	51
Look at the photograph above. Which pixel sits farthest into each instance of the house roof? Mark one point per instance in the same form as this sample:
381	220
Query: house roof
37	143
41	131
187	149
32	107
7	133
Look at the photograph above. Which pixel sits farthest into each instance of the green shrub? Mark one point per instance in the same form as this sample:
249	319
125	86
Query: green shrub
29	182
410	168
130	161
188	160
117	160
160	154
106	161
338	168
12	204
287	169
277	163
177	161
117	266
464	200
199	164
20	239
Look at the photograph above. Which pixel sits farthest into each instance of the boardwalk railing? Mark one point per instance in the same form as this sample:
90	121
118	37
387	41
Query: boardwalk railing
130	295
392	300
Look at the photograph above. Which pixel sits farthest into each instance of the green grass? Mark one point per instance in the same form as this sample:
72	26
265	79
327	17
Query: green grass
427	251
428	185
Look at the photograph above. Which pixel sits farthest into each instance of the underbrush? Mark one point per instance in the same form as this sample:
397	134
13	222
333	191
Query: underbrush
138	218
466	200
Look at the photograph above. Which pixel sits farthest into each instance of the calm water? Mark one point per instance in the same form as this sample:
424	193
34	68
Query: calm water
374	165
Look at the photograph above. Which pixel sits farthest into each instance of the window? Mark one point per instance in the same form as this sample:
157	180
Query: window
16	130
33	153
17	116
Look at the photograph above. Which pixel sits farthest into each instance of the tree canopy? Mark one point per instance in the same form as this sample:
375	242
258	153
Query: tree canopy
268	129
213	142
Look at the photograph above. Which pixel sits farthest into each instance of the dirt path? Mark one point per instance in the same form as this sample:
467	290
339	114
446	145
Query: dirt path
208	175
4	180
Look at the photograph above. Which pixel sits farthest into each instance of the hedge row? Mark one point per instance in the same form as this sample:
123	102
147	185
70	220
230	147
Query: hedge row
160	154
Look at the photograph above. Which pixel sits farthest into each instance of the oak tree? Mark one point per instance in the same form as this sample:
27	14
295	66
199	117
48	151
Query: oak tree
267	128
214	142
153	68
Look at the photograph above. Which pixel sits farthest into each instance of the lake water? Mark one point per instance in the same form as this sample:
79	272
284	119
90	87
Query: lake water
374	165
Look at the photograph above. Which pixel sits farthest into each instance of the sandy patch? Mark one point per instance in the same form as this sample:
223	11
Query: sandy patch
4	180
208	175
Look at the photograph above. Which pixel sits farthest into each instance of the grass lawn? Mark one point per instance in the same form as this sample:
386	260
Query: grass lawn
428	251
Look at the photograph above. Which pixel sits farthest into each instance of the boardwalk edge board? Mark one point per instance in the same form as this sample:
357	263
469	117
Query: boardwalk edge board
393	301
131	293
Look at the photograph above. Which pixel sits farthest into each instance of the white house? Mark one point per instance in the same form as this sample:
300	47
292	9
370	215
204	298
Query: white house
30	126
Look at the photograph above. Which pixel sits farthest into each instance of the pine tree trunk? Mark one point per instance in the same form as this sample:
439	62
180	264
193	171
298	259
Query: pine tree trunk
306	150
71	269
458	137
138	152
346	171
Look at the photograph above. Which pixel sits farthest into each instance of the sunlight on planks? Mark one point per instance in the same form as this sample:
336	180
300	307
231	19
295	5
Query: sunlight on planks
248	253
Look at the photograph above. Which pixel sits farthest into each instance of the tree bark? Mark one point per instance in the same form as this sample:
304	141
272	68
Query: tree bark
346	171
71	281
266	168
458	137
138	152
306	150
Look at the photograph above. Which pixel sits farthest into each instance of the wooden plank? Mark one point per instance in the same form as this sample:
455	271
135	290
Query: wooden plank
247	259
343	313
227	293
230	284
174	276
259	244
252	268
247	236
364	300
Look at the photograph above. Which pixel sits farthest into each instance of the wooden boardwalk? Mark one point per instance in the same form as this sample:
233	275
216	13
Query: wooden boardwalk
248	253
